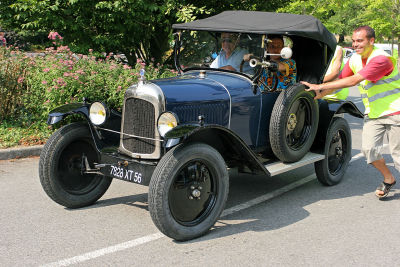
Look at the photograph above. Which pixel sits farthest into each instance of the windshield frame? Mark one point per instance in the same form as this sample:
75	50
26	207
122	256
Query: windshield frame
217	36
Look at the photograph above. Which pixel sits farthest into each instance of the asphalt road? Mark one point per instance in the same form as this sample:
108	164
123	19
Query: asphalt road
287	220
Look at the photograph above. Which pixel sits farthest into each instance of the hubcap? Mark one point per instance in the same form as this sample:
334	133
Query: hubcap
193	193
337	152
292	121
298	124
70	165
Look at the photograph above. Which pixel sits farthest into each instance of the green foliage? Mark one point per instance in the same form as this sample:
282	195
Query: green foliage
13	133
384	17
36	85
12	81
339	17
342	16
137	28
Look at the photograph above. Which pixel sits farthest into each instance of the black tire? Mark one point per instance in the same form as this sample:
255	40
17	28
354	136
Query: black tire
294	123
182	174
331	170
60	168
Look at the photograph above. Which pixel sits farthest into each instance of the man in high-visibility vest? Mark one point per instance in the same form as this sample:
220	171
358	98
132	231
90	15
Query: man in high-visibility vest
378	77
334	69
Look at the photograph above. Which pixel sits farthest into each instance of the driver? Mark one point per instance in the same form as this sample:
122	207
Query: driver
231	55
286	73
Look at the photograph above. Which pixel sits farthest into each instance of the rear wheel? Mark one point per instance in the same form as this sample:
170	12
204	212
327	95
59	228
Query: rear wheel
60	168
294	123
188	191
331	170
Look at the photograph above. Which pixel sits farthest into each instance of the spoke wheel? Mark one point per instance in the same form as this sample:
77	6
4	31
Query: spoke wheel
293	124
188	191
331	170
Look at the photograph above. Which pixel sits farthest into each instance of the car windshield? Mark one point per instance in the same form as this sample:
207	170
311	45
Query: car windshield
201	49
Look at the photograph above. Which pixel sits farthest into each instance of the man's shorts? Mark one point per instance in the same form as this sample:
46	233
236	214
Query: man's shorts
372	138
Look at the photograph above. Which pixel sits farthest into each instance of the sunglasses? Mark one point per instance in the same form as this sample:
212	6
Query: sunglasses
228	40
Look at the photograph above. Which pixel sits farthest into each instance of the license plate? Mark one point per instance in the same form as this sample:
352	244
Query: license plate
125	174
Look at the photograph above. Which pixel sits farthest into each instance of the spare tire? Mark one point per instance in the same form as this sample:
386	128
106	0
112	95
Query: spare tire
293	124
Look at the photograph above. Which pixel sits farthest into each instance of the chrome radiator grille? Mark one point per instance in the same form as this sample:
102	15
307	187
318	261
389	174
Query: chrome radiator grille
139	120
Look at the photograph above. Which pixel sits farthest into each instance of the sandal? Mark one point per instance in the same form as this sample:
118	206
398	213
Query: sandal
385	188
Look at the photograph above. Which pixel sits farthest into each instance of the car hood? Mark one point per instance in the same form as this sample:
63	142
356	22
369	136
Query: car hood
190	96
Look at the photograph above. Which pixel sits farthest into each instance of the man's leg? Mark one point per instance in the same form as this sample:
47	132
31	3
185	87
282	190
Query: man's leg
394	140
372	145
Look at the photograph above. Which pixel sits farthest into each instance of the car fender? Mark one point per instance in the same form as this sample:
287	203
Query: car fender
328	109
232	148
104	136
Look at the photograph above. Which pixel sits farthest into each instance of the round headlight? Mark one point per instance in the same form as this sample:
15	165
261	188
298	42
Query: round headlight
97	113
166	122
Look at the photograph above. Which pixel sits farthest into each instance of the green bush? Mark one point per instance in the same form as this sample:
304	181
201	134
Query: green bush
13	67
32	86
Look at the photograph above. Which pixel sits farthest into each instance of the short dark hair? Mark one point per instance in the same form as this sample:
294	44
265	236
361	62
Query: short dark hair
370	32
275	36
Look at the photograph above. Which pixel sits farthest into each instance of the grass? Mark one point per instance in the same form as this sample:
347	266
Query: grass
20	134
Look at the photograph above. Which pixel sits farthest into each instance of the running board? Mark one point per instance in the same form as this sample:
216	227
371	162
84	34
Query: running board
280	167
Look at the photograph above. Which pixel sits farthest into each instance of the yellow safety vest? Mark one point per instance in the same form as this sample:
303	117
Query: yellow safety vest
341	93
383	97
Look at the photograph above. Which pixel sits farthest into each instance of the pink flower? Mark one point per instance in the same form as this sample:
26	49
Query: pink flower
21	79
66	74
119	88
54	36
90	50
44	82
46	70
126	67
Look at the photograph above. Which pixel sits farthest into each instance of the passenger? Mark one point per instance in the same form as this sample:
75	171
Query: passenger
231	55
287	72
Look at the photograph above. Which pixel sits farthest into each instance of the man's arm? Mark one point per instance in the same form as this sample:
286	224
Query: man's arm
334	85
335	67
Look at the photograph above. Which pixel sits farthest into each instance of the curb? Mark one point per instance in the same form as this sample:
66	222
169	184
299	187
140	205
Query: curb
20	152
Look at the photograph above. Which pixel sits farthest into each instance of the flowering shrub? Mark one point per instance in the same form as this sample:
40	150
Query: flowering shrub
13	67
30	87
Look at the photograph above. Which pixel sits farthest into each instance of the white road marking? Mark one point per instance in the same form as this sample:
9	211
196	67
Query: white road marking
268	196
142	240
107	250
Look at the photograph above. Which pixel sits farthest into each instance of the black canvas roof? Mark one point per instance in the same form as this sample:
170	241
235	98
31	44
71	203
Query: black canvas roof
263	23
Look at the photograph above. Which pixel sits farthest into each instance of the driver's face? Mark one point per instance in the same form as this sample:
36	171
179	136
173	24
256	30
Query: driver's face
228	42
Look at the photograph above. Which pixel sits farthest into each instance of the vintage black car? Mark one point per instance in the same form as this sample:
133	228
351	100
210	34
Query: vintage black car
180	135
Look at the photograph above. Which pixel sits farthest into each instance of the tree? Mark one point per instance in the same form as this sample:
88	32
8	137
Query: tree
340	16
384	17
139	28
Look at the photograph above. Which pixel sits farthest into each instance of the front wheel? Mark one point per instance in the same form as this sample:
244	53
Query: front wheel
60	168
188	191
331	170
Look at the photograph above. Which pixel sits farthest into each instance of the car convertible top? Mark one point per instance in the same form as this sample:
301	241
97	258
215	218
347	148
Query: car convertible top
263	23
314	44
